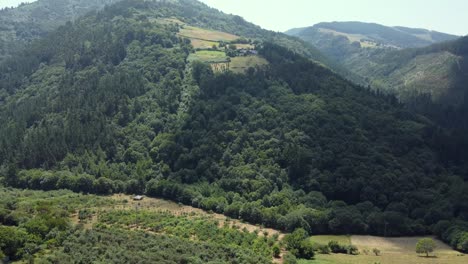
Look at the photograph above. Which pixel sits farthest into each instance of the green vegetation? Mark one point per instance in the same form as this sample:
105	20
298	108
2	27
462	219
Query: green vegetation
36	225
113	245
195	228
242	64
299	245
31	221
209	56
20	26
425	246
115	103
376	251
108	105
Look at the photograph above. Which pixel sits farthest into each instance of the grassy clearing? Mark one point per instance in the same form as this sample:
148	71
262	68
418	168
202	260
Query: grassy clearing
208	56
205	34
393	251
240	64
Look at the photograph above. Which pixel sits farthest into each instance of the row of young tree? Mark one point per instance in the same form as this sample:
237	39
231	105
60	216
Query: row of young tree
32	222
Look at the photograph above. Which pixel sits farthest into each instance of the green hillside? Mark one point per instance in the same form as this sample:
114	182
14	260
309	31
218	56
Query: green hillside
19	26
65	227
119	101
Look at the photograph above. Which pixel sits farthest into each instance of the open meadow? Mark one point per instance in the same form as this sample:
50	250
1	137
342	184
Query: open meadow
393	251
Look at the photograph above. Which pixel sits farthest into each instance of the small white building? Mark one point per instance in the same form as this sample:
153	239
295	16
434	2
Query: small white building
137	198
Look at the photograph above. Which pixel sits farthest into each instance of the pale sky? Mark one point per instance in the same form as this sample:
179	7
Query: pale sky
450	16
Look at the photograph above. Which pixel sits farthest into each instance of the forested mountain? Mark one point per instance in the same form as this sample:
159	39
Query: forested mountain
19	26
117	101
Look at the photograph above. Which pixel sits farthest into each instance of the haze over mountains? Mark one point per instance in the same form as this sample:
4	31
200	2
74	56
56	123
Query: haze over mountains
382	56
371	34
177	100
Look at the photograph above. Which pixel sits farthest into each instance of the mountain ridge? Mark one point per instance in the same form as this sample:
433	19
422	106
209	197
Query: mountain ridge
398	37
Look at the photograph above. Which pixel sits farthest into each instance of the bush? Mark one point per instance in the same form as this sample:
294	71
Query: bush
324	249
306	249
352	250
276	251
289	259
335	247
376	251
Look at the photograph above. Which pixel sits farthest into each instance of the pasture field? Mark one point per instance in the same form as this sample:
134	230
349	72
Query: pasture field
205	34
240	64
208	56
399	250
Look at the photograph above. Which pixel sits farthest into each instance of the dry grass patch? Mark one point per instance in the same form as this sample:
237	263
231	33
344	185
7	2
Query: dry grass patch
203	44
205	34
399	250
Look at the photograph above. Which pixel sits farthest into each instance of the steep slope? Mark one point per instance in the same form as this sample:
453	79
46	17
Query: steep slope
115	102
19	26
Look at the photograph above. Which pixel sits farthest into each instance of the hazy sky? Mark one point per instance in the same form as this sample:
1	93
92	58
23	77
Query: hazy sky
450	16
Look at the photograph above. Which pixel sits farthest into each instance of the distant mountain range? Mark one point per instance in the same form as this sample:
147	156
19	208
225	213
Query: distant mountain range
393	59
372	35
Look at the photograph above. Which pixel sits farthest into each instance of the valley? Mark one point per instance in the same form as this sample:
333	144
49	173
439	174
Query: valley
344	142
159	218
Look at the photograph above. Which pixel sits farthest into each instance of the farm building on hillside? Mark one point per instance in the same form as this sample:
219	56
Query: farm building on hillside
247	52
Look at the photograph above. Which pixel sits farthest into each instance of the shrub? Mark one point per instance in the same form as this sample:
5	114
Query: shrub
376	251
289	259
276	251
324	249
335	247
352	250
